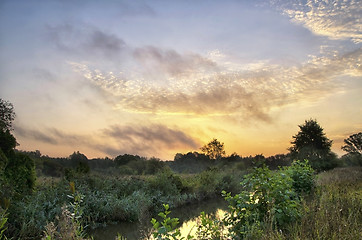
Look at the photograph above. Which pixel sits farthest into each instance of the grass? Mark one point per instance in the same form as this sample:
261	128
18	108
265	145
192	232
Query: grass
110	199
333	212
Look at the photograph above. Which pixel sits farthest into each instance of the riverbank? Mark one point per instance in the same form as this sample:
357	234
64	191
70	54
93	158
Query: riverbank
115	199
187	215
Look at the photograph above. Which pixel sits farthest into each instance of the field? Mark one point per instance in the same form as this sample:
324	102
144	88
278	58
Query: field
333	209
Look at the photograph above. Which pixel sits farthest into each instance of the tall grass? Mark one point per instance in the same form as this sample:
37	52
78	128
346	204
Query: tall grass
111	199
333	212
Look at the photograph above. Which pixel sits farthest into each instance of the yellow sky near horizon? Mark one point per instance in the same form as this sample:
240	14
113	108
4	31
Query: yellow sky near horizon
156	79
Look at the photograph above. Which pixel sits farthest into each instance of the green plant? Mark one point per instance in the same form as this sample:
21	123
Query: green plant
303	176
268	197
69	225
166	229
210	227
3	220
20	172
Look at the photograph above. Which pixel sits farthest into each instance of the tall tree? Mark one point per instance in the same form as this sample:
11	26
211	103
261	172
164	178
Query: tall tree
214	149
311	143
17	169
7	115
353	144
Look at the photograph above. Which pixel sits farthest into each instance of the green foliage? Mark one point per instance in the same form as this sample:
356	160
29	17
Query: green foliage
3	162
20	172
3	220
166	182
302	175
153	165
268	197
82	168
209	227
69	174
166	229
7	115
352	159
7	143
69	223
51	168
126	158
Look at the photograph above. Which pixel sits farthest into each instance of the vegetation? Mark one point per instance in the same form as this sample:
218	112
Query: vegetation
331	211
277	197
311	143
353	144
353	147
214	149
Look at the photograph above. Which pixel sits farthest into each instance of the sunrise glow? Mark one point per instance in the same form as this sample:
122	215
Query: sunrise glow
155	78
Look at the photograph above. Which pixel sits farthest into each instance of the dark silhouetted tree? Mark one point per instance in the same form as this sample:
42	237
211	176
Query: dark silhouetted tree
7	142
353	144
80	162
214	149
153	165
311	143
18	169
126	158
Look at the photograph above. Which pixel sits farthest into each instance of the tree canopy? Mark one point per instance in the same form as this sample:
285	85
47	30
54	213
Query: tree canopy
353	144
17	170
311	135
311	143
214	149
7	115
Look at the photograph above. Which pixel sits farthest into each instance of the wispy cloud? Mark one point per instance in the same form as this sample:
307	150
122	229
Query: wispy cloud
246	93
171	62
149	139
338	19
84	40
117	139
51	136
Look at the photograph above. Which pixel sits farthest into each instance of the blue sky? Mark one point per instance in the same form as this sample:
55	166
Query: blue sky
159	77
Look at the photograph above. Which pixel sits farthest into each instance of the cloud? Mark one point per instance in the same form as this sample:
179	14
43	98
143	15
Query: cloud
51	136
339	19
85	40
149	139
171	62
248	94
117	139
35	135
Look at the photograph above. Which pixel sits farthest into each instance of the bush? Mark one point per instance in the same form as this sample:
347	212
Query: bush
303	176
208	181
352	159
267	197
20	172
167	183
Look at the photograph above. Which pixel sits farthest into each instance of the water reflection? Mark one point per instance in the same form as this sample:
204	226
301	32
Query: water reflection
188	216
190	226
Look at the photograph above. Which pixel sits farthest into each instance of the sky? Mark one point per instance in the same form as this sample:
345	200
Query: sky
158	77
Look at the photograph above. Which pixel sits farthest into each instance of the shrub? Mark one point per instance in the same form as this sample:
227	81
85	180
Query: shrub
208	181
303	176
20	172
167	183
267	197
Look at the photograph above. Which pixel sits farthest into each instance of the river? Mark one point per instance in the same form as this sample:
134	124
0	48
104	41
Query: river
136	231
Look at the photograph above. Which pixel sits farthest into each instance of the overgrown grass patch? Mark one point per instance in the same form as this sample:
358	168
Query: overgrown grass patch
333	212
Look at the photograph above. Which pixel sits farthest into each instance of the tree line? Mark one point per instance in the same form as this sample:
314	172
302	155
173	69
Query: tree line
17	168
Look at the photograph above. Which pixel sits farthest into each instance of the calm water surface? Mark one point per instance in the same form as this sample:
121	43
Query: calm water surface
187	214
